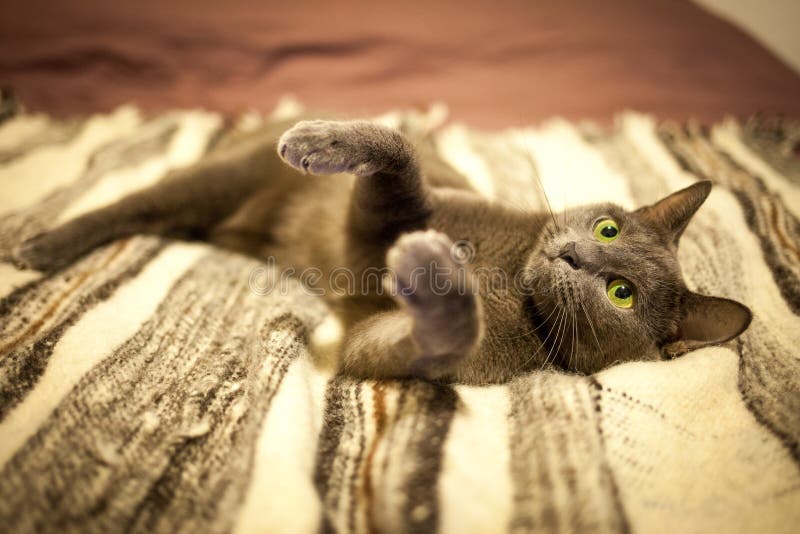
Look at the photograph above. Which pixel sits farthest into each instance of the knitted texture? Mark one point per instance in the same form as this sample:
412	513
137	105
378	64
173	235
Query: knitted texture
150	388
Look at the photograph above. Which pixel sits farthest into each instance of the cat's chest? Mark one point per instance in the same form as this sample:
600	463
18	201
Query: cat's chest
485	237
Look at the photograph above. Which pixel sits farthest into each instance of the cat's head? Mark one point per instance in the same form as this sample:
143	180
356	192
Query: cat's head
607	287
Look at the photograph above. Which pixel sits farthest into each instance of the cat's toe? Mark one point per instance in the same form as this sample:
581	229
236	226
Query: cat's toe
420	262
324	147
434	287
17	260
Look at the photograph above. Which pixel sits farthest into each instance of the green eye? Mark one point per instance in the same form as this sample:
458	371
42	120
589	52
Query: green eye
621	293
606	230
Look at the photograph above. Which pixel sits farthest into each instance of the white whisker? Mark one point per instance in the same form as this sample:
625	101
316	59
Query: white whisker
591	327
553	350
544	342
538	180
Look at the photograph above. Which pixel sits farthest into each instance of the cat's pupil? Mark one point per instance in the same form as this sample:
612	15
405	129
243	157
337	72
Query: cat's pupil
608	231
623	292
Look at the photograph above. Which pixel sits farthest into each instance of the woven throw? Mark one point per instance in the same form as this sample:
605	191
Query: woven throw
150	388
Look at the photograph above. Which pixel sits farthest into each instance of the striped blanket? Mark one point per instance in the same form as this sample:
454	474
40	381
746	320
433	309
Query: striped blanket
149	388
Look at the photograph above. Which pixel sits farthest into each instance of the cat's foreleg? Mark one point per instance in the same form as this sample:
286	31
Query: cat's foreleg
438	325
389	197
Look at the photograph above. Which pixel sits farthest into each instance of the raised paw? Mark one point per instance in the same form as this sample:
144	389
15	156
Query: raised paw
431	283
328	147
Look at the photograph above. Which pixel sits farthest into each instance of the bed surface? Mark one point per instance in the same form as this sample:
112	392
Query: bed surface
493	63
150	387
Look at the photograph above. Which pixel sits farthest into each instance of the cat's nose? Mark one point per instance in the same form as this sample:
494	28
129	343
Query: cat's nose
570	255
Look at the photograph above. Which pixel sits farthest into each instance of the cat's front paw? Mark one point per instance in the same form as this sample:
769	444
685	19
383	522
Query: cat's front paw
329	147
46	251
429	280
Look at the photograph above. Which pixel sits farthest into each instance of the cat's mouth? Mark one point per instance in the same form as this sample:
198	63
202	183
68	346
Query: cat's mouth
565	292
557	315
556	285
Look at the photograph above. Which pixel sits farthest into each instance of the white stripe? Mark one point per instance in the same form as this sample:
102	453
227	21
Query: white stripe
639	131
287	108
708	465
281	495
757	288
709	459
726	137
11	278
455	148
20	129
88	342
39	172
573	173
186	146
476	469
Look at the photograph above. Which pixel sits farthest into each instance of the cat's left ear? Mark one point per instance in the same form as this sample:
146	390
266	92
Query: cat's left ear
671	214
708	321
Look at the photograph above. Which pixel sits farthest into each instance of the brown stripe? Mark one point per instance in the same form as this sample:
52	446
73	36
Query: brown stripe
787	282
32	361
379	415
620	155
330	437
403	387
36	324
437	405
776	141
776	227
696	156
768	382
596	390
525	449
556	444
161	435
768	379
189	454
360	430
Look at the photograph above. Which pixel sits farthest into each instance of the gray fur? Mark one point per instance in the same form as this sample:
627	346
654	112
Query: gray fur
397	215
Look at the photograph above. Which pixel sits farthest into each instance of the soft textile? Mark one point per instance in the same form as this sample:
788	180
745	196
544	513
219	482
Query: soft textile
152	387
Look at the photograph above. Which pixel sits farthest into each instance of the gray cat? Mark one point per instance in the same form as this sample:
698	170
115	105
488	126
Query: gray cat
518	291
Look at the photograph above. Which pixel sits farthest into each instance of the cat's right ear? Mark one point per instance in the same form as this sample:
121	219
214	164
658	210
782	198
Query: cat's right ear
672	213
708	321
